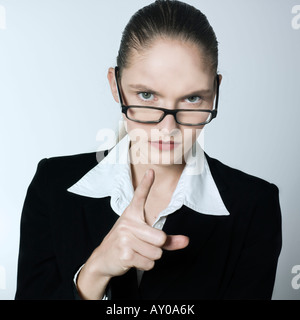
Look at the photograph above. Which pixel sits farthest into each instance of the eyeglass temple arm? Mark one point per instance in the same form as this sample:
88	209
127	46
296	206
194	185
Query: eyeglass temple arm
118	87
218	92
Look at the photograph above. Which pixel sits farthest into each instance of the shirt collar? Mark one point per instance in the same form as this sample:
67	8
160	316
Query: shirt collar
196	188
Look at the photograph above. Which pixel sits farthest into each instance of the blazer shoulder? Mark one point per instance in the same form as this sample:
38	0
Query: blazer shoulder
72	161
66	170
228	177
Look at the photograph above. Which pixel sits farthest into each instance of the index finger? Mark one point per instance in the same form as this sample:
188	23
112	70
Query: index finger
142	191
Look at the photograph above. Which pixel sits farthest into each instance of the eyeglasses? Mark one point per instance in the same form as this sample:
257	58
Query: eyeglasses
154	115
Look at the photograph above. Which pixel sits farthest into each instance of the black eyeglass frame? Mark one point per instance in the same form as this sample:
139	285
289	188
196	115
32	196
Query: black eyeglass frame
125	109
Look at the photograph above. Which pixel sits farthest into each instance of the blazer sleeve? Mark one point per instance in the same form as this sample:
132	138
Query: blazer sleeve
255	272
38	273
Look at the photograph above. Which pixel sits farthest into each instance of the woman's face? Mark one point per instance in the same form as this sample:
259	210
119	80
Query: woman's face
173	75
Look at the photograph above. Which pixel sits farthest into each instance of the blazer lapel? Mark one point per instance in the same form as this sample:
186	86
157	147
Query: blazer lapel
198	228
220	180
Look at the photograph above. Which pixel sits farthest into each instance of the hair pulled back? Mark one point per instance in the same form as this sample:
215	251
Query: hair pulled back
168	19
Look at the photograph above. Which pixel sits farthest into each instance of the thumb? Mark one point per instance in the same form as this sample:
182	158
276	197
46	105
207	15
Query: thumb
176	243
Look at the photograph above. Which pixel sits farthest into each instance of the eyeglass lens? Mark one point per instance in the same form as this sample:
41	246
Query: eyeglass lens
154	115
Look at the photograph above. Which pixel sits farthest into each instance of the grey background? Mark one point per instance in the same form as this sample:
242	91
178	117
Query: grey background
54	98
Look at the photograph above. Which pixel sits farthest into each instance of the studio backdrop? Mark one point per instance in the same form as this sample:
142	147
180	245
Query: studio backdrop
55	98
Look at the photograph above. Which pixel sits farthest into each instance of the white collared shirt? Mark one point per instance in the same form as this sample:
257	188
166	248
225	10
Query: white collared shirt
196	188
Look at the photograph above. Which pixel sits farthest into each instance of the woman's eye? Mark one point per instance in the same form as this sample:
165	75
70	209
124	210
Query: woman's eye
146	96
194	99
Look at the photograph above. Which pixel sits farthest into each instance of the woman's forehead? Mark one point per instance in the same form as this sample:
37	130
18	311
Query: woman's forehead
169	61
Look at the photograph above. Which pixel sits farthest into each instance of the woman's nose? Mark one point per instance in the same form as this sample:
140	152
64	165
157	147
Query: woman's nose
168	123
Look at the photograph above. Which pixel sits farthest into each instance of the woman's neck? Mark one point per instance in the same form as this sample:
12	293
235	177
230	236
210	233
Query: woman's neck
166	176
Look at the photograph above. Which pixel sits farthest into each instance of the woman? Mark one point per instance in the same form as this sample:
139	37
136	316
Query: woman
157	218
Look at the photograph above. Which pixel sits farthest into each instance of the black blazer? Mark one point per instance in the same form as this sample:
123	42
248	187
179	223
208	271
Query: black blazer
229	257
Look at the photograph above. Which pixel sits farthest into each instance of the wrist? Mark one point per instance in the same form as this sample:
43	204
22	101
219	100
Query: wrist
91	283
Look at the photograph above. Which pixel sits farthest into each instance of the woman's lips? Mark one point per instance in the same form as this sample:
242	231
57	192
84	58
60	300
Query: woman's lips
164	145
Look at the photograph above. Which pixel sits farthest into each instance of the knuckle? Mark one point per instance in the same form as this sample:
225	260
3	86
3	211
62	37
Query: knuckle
161	239
123	227
126	256
149	265
124	241
158	254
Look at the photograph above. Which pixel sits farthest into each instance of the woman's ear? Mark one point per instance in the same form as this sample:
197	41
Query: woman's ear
220	78
112	83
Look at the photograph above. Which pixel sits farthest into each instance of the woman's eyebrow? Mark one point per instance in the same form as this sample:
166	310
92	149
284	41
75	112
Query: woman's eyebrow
203	92
144	88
